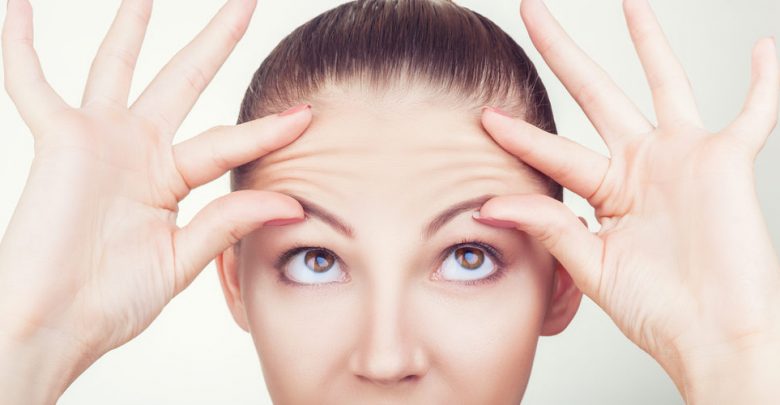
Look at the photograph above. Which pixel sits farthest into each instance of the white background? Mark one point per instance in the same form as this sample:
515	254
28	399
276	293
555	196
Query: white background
194	353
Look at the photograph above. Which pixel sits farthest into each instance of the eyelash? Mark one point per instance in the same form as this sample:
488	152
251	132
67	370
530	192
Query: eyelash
493	253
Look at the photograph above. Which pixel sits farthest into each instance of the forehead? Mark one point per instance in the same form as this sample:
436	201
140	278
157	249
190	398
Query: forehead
402	158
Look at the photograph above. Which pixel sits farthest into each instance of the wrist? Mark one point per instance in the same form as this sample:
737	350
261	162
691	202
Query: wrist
746	372
35	371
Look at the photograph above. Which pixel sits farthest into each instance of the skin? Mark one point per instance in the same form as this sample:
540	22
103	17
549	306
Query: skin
393	332
682	263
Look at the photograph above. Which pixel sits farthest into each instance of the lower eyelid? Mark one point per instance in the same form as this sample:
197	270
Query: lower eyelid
493	277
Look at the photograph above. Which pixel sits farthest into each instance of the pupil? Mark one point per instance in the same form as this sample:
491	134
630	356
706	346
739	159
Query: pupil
473	257
320	264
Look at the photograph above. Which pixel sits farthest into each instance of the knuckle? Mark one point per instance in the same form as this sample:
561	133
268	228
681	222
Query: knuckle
141	14
588	92
122	56
233	31
563	171
549	236
194	77
232	227
233	236
555	226
217	156
550	44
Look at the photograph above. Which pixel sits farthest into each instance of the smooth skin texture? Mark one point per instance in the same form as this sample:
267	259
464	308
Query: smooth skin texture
397	325
85	272
102	260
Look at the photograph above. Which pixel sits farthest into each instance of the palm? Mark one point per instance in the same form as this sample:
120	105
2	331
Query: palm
95	228
669	195
682	240
122	207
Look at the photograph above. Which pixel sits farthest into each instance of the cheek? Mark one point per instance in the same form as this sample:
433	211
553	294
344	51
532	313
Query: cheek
304	336
299	334
493	333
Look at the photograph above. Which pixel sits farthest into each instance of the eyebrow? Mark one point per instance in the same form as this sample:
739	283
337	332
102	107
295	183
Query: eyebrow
311	209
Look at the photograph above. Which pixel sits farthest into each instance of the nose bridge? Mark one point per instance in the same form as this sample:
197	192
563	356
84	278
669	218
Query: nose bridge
388	351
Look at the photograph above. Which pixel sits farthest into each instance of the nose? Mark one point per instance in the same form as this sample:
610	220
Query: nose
388	352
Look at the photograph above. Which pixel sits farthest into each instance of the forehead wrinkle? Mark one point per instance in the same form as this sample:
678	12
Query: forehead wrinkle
431	153
464	167
442	169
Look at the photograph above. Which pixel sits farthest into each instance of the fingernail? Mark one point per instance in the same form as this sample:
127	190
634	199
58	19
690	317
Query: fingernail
497	111
493	222
283	221
297	108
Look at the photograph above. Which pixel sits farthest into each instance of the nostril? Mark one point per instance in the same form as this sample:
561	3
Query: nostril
410	378
391	381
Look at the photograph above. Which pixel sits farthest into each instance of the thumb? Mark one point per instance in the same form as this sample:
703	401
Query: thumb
556	227
221	224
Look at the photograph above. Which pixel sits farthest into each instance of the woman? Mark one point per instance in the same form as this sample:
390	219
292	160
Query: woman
376	330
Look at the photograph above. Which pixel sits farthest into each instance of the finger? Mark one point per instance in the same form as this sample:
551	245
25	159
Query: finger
223	223
568	163
759	113
606	106
557	228
211	154
673	97
173	92
24	79
112	70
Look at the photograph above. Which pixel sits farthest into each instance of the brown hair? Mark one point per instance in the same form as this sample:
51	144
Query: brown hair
386	44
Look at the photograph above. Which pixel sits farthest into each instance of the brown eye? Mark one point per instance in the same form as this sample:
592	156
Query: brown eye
469	257
469	263
319	261
311	265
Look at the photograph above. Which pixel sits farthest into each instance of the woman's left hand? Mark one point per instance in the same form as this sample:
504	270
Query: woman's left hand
683	262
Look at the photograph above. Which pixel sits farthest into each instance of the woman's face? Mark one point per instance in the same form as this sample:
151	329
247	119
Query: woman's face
388	301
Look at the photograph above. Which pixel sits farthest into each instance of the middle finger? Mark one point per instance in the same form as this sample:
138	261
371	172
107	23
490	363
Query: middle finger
173	92
607	107
672	94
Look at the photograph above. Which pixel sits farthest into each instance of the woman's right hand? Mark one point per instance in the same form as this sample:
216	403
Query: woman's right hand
92	253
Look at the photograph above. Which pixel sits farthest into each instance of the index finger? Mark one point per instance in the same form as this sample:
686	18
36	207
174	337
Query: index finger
211	154
570	164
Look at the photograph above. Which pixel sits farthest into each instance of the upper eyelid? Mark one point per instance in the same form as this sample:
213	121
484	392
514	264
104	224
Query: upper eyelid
284	259
495	253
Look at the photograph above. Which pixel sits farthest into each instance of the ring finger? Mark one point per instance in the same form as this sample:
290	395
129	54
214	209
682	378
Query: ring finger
112	69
